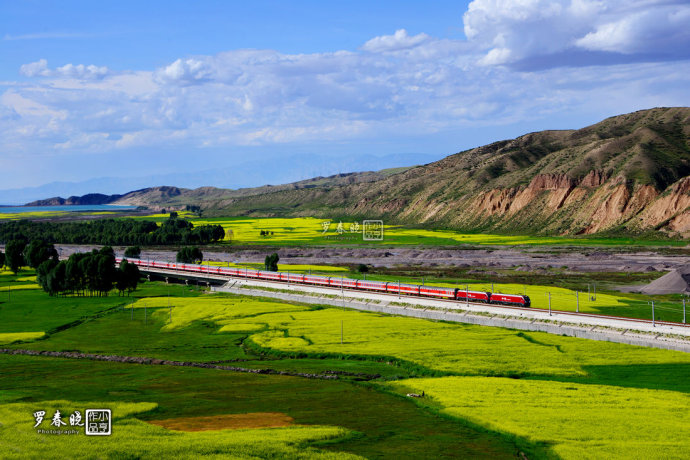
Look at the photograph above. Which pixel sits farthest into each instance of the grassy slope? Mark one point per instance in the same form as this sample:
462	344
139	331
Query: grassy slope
386	424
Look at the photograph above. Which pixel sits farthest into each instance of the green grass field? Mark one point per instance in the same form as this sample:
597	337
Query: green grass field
369	423
314	231
489	392
310	231
579	421
134	438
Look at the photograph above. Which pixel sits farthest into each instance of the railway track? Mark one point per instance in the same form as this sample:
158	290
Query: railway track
452	303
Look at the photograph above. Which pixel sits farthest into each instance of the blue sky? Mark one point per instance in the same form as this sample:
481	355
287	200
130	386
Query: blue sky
122	89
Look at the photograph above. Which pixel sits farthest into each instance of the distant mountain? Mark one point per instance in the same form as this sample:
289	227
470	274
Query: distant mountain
91	198
251	173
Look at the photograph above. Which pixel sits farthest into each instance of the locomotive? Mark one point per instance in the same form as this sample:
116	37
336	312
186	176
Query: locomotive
461	295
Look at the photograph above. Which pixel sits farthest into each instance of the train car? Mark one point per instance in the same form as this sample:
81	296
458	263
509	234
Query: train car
409	289
318	280
511	299
229	271
343	282
273	276
292	277
474	296
438	292
372	285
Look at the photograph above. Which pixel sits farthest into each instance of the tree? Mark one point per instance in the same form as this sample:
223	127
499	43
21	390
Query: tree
363	268
133	252
190	255
93	272
14	254
127	277
38	251
271	262
43	274
2	259
173	215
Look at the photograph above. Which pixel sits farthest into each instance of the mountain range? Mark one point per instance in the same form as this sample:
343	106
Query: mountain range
628	174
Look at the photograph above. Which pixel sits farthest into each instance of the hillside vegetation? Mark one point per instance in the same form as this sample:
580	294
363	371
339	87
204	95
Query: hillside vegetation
627	174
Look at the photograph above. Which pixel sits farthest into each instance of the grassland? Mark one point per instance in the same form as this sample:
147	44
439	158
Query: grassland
138	439
31	215
579	421
455	348
10	337
43	215
310	231
370	423
290	231
488	391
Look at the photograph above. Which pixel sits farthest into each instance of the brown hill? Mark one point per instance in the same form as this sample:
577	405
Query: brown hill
626	174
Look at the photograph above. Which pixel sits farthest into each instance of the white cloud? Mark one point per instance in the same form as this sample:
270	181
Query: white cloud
394	87
185	71
35	69
522	30
649	31
398	41
80	71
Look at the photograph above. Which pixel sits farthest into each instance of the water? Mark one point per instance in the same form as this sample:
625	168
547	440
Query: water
85	207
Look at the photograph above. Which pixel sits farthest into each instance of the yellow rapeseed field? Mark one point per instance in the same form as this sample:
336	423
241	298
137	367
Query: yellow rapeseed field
581	421
19	440
9	337
456	348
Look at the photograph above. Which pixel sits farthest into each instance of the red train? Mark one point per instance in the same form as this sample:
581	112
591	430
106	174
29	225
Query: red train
346	283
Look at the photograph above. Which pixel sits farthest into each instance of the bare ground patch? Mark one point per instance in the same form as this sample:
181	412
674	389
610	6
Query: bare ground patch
226	421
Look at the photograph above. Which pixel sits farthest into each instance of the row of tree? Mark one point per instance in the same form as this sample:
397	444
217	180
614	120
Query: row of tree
18	254
88	273
92	273
113	232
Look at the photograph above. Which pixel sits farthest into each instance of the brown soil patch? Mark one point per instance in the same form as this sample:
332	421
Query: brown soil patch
226	422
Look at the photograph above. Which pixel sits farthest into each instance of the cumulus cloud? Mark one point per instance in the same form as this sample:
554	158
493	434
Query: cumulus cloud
80	71
186	71
398	41
394	86
588	31
35	69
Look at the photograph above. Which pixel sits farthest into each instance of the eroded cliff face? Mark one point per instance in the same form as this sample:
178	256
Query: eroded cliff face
595	202
672	207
